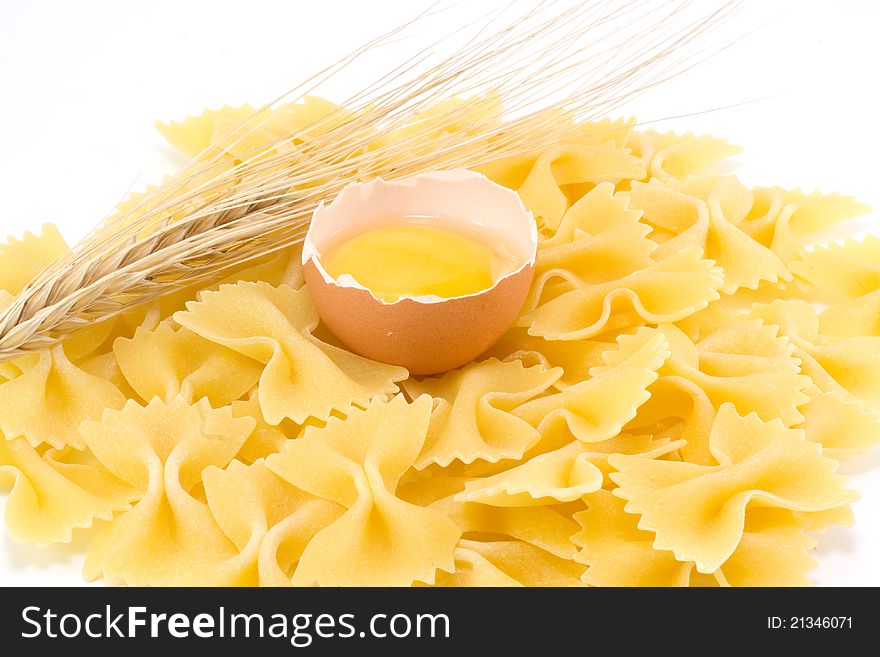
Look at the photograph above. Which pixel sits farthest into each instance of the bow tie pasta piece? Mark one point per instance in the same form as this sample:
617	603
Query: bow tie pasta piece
194	134
575	357
850	366
599	239
844	427
247	502
544	527
741	377
618	553
659	445
165	362
563	475
508	563
842	271
787	220
681	405
297	122
669	155
665	292
168	536
614	132
698	511
457	114
596	409
773	550
572	164
21	260
57	492
303	377
357	462
734	199
474	418
265	439
47	403
851	318
686	221
746	346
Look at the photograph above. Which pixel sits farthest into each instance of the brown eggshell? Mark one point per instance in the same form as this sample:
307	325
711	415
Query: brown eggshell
424	338
425	334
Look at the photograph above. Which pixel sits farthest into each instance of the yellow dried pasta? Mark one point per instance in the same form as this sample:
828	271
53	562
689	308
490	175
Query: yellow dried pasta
578	310
50	496
596	409
698	511
167	536
21	260
357	463
666	410
684	220
51	397
508	563
475	417
773	550
302	376
168	361
250	501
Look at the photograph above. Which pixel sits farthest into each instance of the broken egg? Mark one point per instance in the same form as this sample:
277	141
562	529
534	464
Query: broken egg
425	272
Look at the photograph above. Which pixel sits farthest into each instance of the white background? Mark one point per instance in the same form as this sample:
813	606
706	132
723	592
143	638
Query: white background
82	82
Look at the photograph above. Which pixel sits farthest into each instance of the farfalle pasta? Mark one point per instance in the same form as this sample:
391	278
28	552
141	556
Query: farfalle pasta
787	220
302	376
668	409
850	365
773	550
577	310
249	502
669	155
22	259
51	497
474	414
686	220
357	463
51	397
698	511
596	409
168	361
508	563
168	536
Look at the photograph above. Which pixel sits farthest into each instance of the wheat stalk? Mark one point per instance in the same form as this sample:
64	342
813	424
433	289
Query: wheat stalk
552	66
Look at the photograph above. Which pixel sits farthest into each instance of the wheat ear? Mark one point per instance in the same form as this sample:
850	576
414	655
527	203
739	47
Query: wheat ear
551	66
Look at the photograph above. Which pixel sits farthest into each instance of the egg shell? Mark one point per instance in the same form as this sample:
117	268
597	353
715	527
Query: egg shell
427	334
424	338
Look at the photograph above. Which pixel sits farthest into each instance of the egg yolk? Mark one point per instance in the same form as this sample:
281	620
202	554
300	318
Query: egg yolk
413	260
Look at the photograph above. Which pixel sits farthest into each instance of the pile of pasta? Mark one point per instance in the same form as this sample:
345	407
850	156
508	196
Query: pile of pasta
670	409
